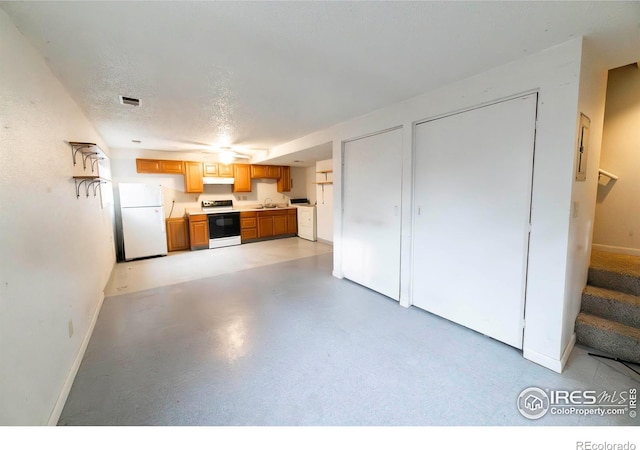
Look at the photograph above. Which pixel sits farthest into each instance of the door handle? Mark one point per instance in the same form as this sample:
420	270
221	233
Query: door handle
395	210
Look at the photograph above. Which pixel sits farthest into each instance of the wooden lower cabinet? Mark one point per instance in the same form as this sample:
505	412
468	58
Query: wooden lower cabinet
279	225
198	231
248	225
177	234
269	224
265	226
292	221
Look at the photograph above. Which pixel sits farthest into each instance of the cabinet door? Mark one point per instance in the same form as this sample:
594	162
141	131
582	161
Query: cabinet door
167	166
148	166
242	177
199	234
210	169
258	171
274	171
177	234
225	170
284	182
265	226
193	177
292	221
280	225
248	234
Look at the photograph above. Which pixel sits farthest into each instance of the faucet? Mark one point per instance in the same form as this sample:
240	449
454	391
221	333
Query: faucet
267	203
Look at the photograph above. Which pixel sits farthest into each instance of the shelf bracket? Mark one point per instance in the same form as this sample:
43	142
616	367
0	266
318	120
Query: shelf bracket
88	181
78	147
94	161
96	184
85	156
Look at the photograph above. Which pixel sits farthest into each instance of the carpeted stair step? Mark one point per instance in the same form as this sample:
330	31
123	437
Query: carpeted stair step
612	305
608	336
615	272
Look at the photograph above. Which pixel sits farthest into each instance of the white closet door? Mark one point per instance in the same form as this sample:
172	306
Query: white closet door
472	193
372	183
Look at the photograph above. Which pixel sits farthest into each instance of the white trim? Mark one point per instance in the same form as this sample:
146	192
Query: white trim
66	388
551	363
613	249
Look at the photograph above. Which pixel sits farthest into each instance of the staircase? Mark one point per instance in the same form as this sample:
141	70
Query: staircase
609	320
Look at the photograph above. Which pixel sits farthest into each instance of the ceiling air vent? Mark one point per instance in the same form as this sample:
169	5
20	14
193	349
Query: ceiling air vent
129	101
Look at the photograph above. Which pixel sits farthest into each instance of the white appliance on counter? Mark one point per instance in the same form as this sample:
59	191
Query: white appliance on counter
143	222
306	219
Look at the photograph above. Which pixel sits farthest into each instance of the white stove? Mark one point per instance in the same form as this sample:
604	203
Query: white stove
224	223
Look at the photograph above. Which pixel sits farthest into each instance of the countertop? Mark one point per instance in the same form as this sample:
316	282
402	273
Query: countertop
194	211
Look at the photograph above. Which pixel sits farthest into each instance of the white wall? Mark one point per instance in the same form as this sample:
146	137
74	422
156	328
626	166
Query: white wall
311	186
57	251
555	75
617	223
325	202
593	82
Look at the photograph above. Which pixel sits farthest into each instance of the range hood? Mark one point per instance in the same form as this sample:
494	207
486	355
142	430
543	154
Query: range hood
217	180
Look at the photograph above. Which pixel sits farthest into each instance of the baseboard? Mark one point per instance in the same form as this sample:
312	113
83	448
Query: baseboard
613	249
324	241
66	388
557	365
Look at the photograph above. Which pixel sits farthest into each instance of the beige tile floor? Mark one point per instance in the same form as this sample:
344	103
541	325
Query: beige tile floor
178	267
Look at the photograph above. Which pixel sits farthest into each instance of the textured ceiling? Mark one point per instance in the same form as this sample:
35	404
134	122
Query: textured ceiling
258	74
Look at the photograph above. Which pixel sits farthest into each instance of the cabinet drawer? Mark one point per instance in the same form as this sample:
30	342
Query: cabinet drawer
248	222
198	218
244	214
248	234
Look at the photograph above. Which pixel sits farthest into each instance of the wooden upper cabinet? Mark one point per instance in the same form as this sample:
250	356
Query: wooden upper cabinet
225	170
148	166
261	171
210	169
274	171
167	166
242	178
284	182
258	171
193	174
159	166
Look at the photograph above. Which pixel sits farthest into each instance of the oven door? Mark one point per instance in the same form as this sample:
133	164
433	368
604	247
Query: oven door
223	225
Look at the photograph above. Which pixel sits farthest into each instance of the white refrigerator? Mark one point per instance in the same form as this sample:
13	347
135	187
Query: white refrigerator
143	221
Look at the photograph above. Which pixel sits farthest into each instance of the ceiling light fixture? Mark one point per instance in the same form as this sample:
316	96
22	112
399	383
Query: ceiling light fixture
226	155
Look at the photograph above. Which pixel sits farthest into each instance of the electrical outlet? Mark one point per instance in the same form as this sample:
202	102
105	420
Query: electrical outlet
70	328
